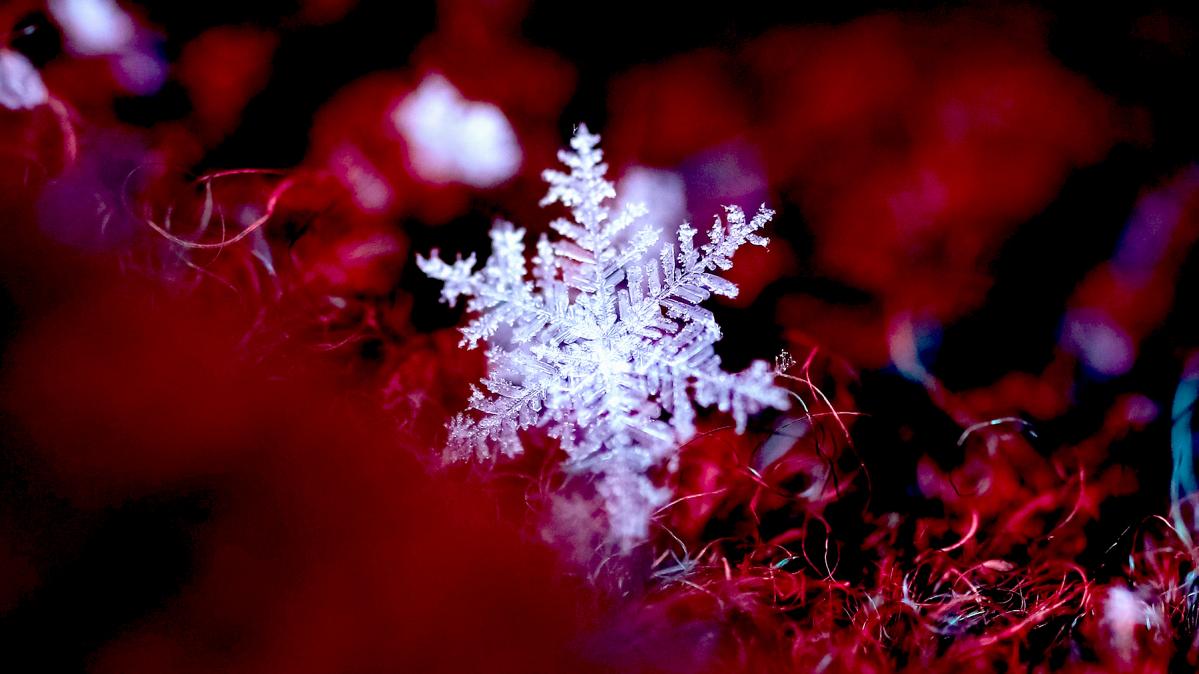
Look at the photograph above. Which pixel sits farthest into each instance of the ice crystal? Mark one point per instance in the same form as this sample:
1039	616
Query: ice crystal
605	346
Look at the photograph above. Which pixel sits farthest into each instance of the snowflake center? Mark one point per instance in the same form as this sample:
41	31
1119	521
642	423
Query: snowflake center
609	362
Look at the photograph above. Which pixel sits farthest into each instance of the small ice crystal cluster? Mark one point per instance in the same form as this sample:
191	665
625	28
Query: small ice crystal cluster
605	346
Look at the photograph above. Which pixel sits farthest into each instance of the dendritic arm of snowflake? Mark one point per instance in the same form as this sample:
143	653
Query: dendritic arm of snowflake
513	401
678	346
677	284
498	293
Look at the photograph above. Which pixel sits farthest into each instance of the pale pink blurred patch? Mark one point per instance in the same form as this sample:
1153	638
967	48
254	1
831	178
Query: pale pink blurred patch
453	140
663	193
1098	341
369	189
94	27
102	28
1128	624
21	87
140	71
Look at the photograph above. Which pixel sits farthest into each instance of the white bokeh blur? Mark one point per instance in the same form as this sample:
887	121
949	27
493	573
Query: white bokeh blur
453	140
21	87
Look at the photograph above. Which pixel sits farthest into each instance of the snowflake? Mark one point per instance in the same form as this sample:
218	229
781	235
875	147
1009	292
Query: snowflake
605	346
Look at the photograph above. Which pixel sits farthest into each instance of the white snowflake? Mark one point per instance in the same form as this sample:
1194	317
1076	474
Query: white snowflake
605	346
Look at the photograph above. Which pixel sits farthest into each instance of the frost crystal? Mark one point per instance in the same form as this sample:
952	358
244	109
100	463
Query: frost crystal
605	346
